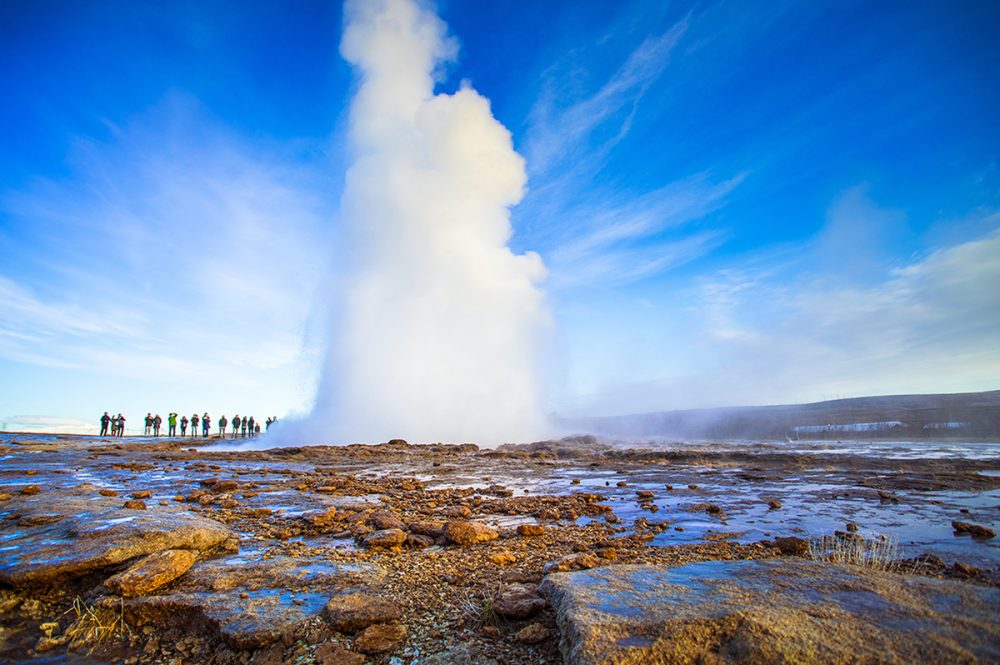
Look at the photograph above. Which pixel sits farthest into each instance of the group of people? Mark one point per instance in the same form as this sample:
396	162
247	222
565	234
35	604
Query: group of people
241	426
116	424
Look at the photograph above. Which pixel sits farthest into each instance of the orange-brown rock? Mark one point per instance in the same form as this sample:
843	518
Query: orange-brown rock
354	611
385	539
467	532
380	638
530	530
150	573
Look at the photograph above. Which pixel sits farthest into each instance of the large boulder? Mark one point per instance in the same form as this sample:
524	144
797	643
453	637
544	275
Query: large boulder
96	535
769	612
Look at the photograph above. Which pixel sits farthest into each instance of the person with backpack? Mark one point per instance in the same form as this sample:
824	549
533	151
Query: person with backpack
206	423
222	427
105	421
194	425
157	421
250	425
184	426
236	425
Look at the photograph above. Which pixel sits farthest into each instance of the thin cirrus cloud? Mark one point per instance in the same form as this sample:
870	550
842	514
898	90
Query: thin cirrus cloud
608	235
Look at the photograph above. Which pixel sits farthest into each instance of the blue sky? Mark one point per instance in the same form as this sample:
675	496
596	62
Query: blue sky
736	204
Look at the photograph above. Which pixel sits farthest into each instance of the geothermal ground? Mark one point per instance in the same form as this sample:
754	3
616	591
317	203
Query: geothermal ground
151	551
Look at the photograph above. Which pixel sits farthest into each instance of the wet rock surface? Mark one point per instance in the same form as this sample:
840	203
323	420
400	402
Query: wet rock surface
93	536
769	612
316	524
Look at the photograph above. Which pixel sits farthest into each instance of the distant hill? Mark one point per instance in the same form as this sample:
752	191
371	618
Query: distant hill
974	415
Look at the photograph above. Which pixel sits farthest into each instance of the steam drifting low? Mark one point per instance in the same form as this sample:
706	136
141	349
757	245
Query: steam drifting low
439	322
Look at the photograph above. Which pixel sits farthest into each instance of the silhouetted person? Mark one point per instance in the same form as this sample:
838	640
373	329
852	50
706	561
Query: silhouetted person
121	425
222	426
243	427
194	425
206	423
105	421
236	425
256	429
149	424
172	424
157	421
184	425
250	425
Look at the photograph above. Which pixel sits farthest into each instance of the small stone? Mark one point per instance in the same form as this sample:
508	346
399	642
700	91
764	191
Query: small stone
142	494
532	634
134	504
380	638
352	612
386	519
150	573
104	491
575	481
579	561
774	504
490	631
221	486
457	511
960	569
645	494
385	539
530	530
6	496
29	490
334	654
692	487
48	643
416	541
518	601
792	545
974	530
851	527
430	528
503	558
466	532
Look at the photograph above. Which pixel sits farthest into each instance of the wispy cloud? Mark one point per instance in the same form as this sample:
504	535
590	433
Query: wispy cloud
603	234
594	124
615	242
175	249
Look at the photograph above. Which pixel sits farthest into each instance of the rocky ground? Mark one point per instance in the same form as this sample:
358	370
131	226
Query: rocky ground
148	551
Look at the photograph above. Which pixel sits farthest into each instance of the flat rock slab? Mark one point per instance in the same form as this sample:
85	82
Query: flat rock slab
770	612
94	535
251	603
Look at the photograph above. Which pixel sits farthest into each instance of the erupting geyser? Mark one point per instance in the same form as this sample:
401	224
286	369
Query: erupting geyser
437	334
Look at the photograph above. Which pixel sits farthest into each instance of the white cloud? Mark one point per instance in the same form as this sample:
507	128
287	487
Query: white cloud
176	250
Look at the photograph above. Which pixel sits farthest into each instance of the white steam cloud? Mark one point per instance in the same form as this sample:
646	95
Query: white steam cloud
439	325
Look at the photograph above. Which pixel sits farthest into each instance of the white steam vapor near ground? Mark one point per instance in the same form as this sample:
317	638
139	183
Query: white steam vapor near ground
440	322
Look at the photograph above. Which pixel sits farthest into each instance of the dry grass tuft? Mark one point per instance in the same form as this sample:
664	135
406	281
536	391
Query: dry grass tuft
94	625
881	553
480	609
